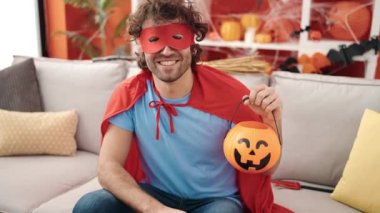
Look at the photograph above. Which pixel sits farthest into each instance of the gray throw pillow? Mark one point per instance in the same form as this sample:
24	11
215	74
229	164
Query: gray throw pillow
19	89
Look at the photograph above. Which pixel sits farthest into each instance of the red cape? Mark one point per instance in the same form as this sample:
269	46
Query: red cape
213	92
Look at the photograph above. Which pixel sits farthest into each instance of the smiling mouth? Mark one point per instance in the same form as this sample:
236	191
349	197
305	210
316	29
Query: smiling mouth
249	163
167	63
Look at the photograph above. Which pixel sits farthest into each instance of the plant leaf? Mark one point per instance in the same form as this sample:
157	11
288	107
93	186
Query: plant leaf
122	50
121	26
105	4
84	4
82	42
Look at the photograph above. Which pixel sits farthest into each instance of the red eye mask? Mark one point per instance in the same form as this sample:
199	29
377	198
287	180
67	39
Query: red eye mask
177	36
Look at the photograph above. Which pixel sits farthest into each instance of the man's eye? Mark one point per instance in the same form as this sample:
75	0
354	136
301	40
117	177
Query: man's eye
178	36
153	39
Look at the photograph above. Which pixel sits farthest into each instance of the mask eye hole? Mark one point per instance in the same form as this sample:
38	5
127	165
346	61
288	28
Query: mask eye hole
153	39
178	36
245	141
261	143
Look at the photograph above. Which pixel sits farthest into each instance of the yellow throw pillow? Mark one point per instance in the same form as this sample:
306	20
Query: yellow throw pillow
33	133
359	186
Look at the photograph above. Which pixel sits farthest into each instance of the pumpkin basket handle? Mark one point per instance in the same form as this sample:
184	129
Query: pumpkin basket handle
237	108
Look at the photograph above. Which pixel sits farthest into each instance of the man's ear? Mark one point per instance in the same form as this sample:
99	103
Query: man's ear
194	51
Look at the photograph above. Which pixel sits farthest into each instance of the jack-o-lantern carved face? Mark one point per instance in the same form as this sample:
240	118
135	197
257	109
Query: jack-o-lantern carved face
252	147
251	152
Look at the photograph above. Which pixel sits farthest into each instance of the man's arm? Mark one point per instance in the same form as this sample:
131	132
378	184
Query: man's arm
114	178
264	101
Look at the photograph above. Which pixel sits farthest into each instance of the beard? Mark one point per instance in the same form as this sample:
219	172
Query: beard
169	68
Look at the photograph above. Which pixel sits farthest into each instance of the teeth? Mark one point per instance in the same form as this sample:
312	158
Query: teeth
167	63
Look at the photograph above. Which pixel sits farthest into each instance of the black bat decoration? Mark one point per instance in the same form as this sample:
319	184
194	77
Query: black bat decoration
345	54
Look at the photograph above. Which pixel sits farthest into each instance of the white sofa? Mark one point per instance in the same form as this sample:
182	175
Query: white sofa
320	119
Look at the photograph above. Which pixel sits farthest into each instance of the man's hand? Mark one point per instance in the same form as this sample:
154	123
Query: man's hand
264	100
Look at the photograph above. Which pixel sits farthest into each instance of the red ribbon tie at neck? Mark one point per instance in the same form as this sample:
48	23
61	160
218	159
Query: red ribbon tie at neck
169	108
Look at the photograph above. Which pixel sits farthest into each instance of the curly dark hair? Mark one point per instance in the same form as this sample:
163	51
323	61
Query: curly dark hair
167	10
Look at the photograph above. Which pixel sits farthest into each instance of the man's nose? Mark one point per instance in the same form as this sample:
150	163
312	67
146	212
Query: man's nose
167	51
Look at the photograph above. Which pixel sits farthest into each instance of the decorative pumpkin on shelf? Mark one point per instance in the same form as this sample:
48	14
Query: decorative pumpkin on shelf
348	19
313	64
280	28
320	60
252	147
315	35
250	20
303	59
231	30
263	38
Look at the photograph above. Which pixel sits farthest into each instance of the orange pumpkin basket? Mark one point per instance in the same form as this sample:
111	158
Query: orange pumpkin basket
252	147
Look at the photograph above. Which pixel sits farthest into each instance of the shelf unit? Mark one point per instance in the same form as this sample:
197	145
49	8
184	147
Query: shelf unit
308	47
251	45
304	45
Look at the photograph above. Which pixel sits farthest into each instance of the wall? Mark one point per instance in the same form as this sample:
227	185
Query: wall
19	30
61	17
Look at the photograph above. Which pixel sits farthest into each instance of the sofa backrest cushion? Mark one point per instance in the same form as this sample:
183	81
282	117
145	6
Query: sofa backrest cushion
321	115
250	80
81	85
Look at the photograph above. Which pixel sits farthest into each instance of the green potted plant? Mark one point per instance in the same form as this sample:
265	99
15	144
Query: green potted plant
93	40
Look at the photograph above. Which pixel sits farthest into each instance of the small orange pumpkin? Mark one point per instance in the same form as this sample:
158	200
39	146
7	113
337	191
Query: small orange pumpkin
303	59
320	60
358	19
252	147
280	28
263	38
250	20
309	68
315	35
231	30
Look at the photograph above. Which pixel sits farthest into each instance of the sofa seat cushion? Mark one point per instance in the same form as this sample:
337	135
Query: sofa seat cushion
309	201
66	202
28	181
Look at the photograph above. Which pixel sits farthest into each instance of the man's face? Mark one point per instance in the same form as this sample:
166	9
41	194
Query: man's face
168	64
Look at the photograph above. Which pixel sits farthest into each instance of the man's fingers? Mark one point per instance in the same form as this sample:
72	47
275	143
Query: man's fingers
268	100
261	95
253	93
273	105
245	99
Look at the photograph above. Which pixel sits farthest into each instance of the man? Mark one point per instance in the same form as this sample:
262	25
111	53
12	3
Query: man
167	124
